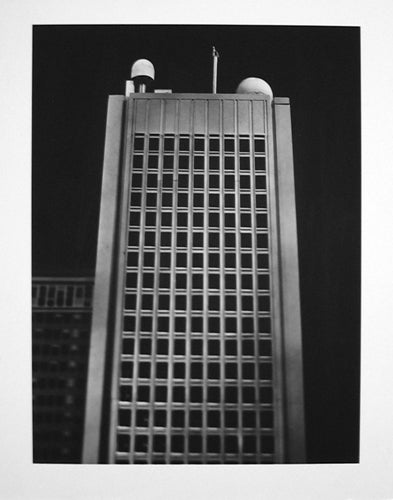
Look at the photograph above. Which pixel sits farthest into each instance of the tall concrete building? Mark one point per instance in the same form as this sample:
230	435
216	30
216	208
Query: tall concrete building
195	351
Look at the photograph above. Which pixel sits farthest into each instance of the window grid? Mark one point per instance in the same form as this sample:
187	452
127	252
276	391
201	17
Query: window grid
64	295
134	385
221	287
171	312
61	322
238	290
205	296
152	370
189	295
255	294
206	430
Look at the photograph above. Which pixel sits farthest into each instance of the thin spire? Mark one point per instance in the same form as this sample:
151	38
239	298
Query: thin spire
215	61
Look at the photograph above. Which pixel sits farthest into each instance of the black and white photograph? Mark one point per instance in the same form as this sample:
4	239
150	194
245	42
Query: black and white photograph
196	280
196	244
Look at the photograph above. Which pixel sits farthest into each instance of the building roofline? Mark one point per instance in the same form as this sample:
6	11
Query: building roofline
68	279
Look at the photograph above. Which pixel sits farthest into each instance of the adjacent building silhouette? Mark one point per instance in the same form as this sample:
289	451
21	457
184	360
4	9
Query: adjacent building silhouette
60	341
195	353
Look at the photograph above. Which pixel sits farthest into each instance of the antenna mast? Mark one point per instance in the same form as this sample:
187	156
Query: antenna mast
215	61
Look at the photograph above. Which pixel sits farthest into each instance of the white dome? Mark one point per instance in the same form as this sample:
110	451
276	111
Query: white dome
254	85
142	68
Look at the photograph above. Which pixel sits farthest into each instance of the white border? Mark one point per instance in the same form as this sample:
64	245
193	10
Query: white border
373	478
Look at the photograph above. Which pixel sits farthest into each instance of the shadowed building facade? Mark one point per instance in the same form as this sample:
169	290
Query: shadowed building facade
195	351
61	320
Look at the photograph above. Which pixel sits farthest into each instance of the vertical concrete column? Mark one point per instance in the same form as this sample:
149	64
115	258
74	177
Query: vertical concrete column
106	247
290	291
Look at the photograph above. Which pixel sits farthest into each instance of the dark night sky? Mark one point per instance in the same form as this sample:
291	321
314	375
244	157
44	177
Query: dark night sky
75	68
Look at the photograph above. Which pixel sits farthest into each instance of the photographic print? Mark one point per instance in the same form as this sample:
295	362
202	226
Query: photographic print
196	244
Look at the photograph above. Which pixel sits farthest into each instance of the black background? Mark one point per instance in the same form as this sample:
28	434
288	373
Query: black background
75	68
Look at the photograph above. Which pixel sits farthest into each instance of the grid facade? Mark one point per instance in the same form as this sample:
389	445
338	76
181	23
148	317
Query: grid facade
194	378
60	342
